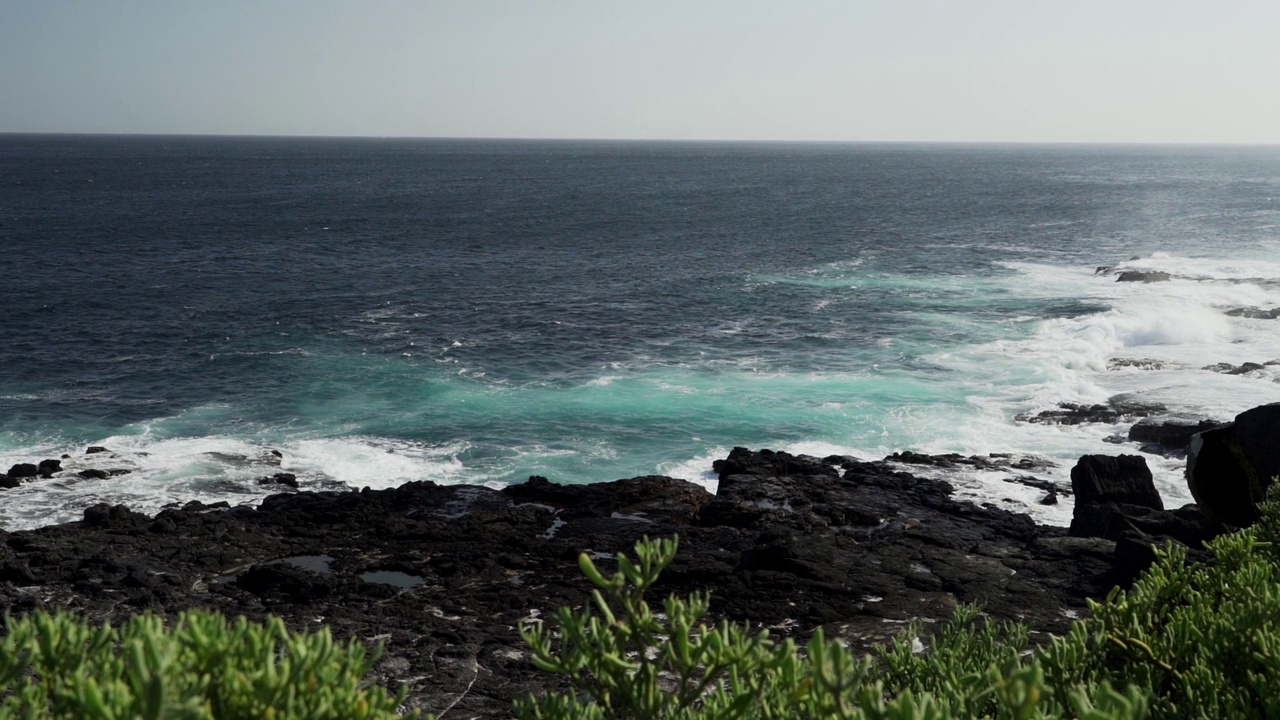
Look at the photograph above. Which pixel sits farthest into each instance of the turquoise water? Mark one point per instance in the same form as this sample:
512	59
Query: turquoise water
378	312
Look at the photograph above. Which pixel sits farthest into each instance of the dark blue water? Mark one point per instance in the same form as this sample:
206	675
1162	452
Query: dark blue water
384	310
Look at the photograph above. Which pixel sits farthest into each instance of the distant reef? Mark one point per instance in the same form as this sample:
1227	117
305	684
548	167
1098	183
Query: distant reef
443	575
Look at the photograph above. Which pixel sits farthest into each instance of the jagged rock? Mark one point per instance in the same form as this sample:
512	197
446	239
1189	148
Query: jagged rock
1255	313
1168	436
94	449
992	461
1139	363
1145	276
93	474
1229	369
1116	409
1230	467
47	468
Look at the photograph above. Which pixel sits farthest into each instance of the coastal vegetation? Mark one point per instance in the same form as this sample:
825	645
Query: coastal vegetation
204	666
1186	640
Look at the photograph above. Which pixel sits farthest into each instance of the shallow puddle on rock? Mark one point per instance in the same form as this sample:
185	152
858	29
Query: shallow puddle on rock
314	563
392	577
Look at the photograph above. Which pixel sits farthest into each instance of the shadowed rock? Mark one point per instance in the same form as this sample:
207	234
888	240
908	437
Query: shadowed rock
1168	436
1230	467
1117	500
1114	478
24	470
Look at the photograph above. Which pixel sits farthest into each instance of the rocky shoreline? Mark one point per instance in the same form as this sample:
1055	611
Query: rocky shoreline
443	575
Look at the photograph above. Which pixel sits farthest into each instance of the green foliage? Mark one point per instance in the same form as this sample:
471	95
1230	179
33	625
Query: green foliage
205	667
1205	639
1187	641
623	660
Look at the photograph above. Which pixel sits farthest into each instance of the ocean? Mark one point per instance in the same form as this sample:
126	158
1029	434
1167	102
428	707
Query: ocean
475	311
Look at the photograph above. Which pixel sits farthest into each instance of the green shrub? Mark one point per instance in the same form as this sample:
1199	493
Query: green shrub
1187	641
1203	639
625	661
205	667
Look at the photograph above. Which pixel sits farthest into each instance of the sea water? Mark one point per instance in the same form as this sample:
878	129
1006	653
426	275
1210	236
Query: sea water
364	312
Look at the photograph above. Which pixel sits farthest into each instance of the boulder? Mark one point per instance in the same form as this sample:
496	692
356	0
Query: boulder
1143	276
24	470
1116	500
1230	467
94	449
93	474
1114	478
48	467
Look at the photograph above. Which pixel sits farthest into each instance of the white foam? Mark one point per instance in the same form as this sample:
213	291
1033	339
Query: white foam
697	470
216	468
1180	323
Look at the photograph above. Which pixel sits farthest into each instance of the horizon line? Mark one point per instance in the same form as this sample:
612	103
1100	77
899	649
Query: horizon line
756	141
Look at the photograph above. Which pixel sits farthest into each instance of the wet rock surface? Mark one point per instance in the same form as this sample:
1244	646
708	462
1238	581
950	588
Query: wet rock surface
1255	313
1245	368
1144	276
443	575
1116	409
1170	436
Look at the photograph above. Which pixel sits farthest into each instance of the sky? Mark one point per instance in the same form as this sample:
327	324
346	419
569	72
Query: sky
1155	71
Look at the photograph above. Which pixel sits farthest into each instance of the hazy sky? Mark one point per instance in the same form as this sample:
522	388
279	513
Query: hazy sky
981	70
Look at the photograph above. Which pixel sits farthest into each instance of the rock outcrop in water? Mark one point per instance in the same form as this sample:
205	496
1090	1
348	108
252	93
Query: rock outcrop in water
443	575
1255	313
1169	436
1144	276
1229	468
1117	409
